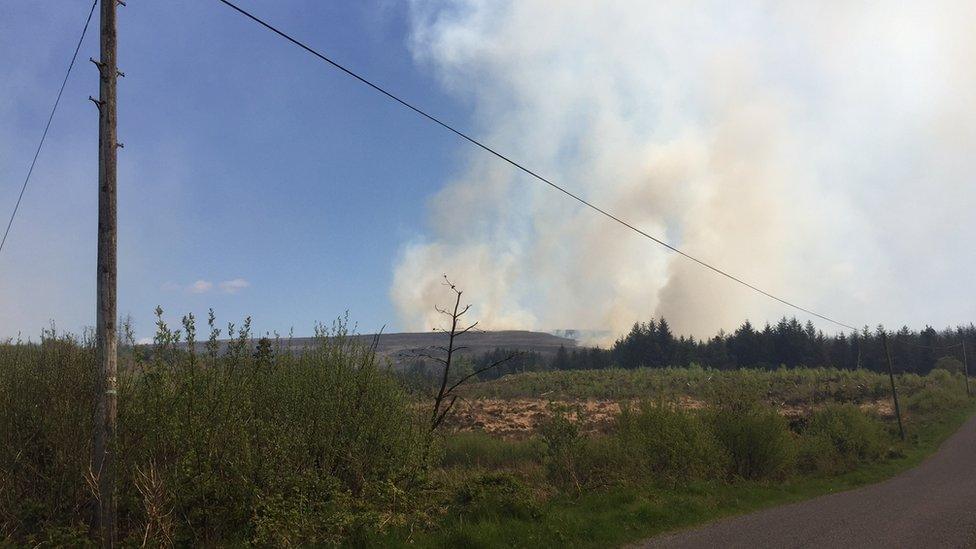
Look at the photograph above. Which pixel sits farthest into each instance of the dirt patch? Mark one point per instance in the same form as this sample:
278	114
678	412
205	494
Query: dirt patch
522	416
883	408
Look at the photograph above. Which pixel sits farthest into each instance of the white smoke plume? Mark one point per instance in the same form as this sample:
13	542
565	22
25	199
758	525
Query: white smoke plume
822	151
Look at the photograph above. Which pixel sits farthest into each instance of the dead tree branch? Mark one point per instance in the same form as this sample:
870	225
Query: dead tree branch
445	399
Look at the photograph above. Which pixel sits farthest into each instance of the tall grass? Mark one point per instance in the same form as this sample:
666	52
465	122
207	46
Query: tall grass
479	449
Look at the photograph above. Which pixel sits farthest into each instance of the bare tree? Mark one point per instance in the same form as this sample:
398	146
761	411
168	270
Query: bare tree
446	397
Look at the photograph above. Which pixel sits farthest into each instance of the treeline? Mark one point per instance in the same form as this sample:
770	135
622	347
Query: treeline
787	343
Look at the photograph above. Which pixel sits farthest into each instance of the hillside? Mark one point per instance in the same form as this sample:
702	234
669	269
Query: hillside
401	347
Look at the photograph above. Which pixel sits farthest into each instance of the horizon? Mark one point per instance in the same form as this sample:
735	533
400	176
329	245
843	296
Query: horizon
587	338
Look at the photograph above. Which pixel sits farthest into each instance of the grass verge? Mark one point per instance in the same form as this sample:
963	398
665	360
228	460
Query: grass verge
623	515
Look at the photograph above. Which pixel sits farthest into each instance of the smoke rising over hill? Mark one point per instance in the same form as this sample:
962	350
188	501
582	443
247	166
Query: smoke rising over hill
820	152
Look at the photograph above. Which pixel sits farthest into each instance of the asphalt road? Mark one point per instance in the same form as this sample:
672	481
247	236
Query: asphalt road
932	505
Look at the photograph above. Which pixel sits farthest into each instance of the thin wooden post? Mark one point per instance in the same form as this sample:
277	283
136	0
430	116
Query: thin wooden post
106	344
965	368
894	391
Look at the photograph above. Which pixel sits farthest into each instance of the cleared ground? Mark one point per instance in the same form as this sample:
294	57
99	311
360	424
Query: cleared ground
521	417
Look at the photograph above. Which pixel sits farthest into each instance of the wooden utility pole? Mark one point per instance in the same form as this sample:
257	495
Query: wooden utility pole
106	350
891	377
965	368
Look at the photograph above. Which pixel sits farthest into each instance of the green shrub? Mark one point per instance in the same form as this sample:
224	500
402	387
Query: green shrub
315	510
565	448
817	454
935	399
666	443
308	511
496	495
757	440
840	437
479	449
76	535
949	364
742	393
46	416
220	447
943	378
939	391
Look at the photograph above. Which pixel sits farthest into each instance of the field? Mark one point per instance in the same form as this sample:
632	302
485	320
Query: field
516	405
231	445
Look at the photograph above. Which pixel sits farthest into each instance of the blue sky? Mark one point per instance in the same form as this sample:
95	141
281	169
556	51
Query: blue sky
244	159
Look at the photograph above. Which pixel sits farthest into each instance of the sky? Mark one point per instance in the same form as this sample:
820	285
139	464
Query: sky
254	179
820	151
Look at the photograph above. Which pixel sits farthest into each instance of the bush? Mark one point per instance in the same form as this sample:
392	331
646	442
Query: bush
315	510
949	364
839	438
757	440
495	495
933	399
301	511
46	416
565	448
220	447
666	443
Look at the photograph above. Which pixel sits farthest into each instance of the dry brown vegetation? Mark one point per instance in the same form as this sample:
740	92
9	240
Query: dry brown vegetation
522	417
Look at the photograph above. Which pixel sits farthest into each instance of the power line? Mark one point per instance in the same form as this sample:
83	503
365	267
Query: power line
519	166
47	126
